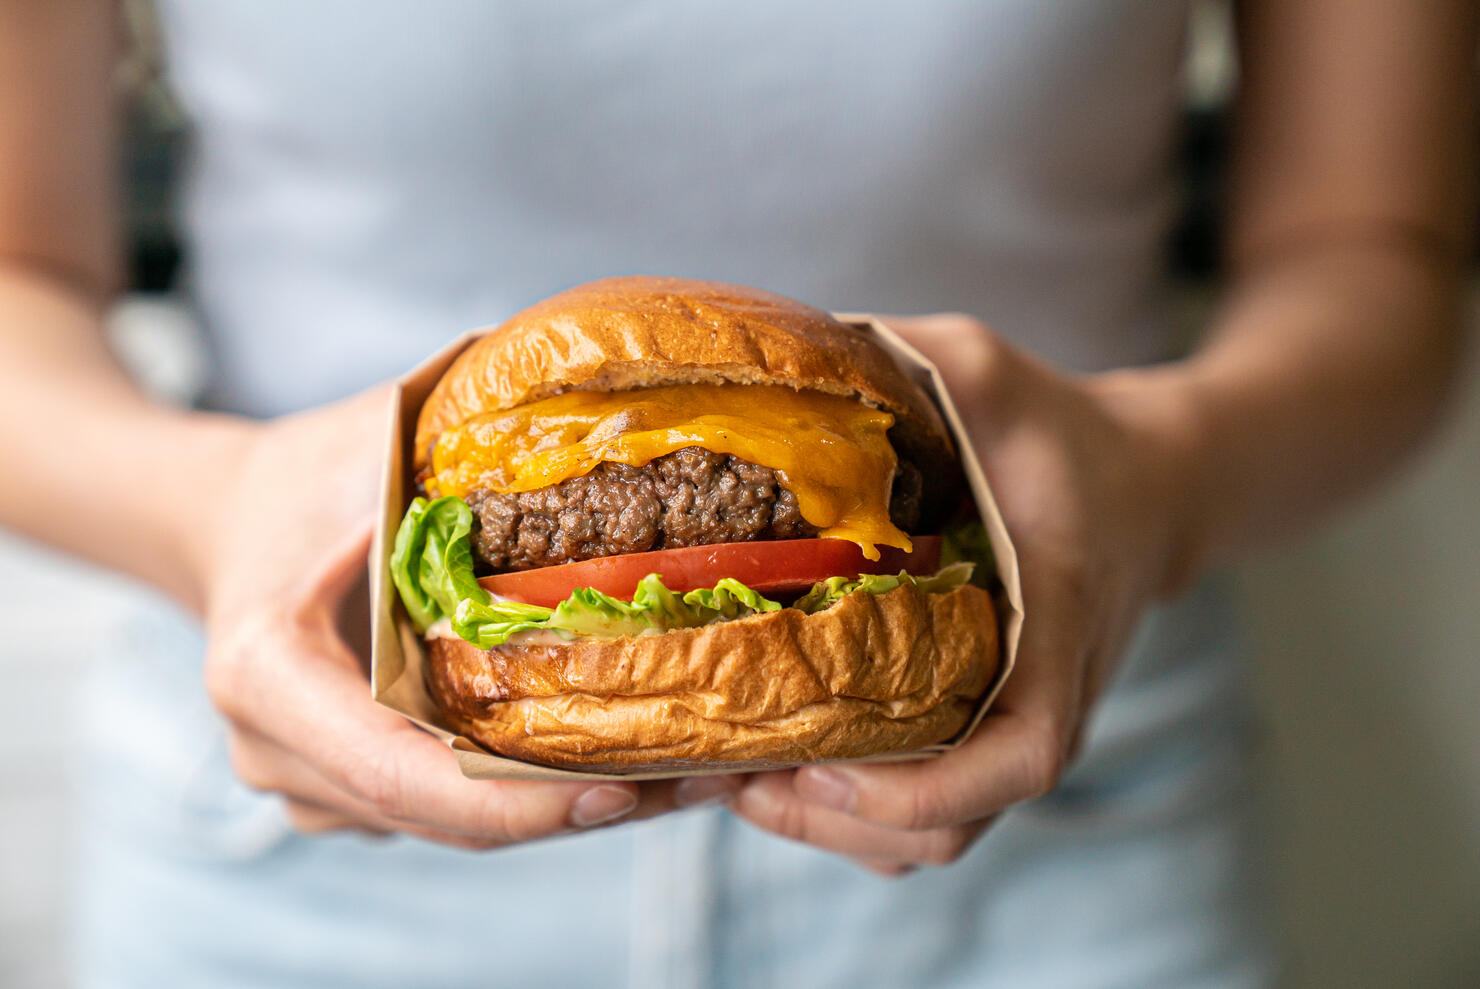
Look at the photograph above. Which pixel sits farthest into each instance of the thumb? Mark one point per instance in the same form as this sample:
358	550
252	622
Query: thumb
980	369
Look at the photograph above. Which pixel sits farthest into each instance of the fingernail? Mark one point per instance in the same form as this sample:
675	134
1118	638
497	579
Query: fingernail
696	791
827	787
601	804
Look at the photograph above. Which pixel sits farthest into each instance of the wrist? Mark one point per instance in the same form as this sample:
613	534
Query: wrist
1160	409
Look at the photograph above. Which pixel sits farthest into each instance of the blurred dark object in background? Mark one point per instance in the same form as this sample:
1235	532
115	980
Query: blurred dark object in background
1195	249
154	138
150	164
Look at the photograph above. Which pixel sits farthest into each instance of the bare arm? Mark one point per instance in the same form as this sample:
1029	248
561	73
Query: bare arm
1328	360
88	454
212	509
1349	244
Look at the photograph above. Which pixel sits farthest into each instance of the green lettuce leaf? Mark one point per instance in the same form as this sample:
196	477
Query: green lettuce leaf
967	542
826	593
490	623
589	612
728	600
432	560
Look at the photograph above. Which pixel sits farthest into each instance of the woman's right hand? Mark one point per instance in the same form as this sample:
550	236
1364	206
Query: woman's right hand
286	547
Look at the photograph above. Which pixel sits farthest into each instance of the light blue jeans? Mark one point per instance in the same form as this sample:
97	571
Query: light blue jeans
1140	870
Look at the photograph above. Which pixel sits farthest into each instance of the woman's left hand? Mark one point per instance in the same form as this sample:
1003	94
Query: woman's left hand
1091	476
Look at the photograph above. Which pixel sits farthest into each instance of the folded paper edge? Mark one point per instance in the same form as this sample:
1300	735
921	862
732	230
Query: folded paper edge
396	658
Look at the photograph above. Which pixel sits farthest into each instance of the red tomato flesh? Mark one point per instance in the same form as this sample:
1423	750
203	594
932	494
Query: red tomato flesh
790	566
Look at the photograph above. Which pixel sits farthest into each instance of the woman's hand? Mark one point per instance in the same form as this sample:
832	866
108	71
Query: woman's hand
284	552
1088	474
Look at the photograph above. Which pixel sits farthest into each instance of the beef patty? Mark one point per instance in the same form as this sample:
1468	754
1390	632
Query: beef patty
691	497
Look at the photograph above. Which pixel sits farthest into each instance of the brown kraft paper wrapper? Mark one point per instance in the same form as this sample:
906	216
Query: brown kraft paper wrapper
397	668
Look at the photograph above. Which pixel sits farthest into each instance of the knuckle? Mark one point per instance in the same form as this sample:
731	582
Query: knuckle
956	843
791	821
957	324
984	352
234	654
945	845
979	352
784	817
1044	765
509	820
982	374
307	820
248	765
381	784
222	678
925	808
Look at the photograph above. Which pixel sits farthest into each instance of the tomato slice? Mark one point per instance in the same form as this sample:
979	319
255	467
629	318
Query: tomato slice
789	566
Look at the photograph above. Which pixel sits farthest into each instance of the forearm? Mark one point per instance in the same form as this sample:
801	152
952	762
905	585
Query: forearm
1323	368
93	466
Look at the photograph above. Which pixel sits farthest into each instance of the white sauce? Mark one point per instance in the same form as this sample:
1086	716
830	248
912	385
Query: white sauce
442	629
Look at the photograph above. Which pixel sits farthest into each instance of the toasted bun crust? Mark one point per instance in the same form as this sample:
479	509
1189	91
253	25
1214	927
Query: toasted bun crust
874	673
640	332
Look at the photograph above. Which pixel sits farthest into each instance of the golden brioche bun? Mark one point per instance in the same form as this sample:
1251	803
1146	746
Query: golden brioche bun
891	672
641	332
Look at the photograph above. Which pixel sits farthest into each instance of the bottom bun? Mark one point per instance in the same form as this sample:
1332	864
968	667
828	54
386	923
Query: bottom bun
872	674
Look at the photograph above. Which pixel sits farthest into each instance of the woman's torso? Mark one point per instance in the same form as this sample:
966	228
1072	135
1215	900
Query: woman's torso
370	179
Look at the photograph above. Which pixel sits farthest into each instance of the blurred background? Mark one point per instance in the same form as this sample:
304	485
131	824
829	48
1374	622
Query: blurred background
1366	640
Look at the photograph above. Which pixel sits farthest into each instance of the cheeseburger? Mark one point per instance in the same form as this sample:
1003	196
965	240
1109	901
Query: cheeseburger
666	524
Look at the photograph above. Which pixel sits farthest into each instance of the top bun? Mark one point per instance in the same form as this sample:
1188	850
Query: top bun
641	332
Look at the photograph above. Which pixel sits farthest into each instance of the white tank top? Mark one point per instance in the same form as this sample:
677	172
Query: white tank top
369	179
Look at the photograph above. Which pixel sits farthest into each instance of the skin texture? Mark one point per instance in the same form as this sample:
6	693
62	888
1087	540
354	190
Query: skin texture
1329	358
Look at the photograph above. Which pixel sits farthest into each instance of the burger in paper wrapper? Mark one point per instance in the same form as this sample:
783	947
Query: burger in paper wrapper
676	524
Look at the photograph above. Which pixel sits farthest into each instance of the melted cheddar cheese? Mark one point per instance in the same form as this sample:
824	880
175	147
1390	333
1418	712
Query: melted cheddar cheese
829	451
